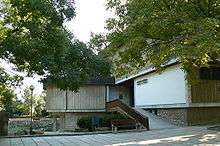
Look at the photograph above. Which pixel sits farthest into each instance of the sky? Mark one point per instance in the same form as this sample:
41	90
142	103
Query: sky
90	17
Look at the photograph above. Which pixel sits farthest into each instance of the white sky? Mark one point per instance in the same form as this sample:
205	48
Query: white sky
90	17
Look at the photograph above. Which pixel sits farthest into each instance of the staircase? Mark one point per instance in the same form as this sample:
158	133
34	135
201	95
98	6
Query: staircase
117	105
155	122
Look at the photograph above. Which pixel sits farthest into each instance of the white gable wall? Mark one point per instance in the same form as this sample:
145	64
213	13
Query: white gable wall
169	87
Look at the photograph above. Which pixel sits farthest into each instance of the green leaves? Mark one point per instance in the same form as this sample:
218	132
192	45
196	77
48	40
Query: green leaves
75	67
156	31
34	29
6	99
34	39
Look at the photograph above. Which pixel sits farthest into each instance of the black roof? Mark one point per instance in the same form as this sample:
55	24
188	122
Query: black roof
93	81
101	81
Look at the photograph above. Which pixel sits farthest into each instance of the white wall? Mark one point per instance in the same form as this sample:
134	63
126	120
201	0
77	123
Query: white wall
165	88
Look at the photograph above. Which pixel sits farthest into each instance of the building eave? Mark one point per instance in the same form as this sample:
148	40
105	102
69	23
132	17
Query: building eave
148	70
75	110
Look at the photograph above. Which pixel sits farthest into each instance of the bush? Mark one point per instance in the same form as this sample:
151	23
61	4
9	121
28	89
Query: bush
104	121
85	123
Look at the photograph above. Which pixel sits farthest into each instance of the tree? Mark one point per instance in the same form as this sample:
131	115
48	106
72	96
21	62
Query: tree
19	108
6	100
39	103
76	66
156	31
26	97
34	39
7	95
97	42
40	108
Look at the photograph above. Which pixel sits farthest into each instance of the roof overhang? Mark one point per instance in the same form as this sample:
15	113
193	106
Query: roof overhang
147	70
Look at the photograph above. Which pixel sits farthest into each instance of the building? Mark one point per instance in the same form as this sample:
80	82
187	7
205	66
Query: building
90	100
170	96
167	94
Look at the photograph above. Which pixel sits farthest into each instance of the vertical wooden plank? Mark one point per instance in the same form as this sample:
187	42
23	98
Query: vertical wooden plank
206	92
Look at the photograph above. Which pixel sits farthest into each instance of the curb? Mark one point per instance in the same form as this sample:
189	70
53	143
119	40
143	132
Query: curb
72	134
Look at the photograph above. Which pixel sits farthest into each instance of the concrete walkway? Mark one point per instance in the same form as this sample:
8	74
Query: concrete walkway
187	136
155	122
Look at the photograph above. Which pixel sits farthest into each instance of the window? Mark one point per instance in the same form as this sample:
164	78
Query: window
209	73
144	81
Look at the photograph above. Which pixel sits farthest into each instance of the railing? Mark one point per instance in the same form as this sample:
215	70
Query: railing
116	105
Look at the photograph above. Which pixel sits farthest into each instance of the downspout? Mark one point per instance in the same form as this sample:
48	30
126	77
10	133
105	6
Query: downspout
66	100
65	108
106	96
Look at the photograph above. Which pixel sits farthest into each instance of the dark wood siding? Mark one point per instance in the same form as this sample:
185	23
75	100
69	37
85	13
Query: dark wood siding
203	115
206	91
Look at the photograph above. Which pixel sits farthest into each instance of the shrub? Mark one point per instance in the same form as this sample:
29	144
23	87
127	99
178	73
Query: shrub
104	121
85	123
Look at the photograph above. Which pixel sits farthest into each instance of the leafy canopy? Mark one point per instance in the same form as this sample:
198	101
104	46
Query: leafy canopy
33	37
7	95
156	31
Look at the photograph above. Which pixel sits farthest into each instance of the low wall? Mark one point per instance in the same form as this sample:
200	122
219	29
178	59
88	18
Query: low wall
174	115
191	116
21	126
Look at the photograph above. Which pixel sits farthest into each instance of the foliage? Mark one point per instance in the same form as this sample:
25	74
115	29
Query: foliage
97	42
40	107
39	103
26	101
105	121
156	31
20	109
76	66
33	38
6	99
85	123
16	108
9	80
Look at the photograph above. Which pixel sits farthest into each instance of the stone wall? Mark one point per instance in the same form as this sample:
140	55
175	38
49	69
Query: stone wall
21	126
191	115
177	116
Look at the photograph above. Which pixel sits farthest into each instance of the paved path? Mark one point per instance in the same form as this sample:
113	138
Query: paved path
181	136
155	122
